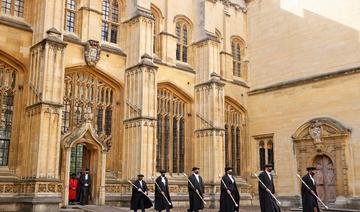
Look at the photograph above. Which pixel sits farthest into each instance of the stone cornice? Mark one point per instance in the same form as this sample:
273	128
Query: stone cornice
236	82
211	81
140	118
51	39
113	49
73	39
91	10
141	12
305	80
168	34
143	63
178	66
210	129
15	23
263	136
51	104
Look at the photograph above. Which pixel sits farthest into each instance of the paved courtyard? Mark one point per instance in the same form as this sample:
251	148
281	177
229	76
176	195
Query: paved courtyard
94	208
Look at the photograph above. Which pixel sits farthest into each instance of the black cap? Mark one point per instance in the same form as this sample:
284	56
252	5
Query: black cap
163	171
269	165
228	168
140	175
87	169
311	168
195	168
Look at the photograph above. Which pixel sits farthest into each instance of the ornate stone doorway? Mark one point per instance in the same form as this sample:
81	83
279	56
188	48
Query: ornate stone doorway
323	142
325	178
93	151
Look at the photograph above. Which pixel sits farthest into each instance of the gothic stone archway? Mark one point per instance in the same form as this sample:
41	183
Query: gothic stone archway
323	142
97	148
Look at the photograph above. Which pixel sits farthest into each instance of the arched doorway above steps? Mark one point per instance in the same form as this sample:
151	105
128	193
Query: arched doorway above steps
323	142
96	151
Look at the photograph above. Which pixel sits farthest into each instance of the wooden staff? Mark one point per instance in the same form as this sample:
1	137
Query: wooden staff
313	193
167	200
272	195
140	190
197	191
236	205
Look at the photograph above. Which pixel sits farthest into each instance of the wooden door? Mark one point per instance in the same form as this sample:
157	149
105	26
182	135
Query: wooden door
325	178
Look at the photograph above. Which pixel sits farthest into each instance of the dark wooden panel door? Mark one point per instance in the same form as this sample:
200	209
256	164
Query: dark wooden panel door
325	178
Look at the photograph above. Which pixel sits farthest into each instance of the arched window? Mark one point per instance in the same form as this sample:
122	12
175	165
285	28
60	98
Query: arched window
86	93
70	15
270	153
233	117
236	54
7	93
266	150
156	36
13	7
110	21
262	155
170	132
182	46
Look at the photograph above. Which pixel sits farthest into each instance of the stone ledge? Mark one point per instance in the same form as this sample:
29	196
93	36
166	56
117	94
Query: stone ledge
305	80
15	23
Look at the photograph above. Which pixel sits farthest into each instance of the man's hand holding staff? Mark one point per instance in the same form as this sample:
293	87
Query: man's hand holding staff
313	193
197	191
228	191
139	189
162	192
267	189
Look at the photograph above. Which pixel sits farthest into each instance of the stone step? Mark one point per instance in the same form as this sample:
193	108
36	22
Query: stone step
330	209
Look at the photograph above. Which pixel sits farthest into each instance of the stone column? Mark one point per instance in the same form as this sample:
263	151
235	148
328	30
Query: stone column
209	106
140	97
41	158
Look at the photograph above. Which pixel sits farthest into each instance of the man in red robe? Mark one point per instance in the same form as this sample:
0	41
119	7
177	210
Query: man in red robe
73	184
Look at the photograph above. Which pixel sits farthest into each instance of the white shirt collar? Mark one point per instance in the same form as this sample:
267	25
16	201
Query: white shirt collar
231	178
268	173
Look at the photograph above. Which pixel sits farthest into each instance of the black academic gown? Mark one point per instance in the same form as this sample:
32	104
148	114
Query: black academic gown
195	202
309	201
138	200
267	202
160	201
226	203
85	186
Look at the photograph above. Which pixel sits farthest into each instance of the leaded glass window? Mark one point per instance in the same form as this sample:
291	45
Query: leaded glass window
170	132
232	147
7	94
110	21
181	32
85	93
236	53
13	7
70	15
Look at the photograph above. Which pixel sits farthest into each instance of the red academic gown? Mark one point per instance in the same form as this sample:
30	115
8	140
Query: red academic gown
72	188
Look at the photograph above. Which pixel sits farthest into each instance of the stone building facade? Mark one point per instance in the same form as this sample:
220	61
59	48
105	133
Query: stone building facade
134	86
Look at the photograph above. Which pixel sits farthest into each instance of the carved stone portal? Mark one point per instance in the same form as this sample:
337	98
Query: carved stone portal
322	142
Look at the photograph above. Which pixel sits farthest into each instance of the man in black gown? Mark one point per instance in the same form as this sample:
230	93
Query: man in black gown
85	186
160	201
226	203
139	200
267	202
309	201
196	203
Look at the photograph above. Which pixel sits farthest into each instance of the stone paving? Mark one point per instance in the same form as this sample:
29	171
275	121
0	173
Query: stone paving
94	208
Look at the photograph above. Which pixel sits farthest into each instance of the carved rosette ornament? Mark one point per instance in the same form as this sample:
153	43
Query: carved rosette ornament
92	52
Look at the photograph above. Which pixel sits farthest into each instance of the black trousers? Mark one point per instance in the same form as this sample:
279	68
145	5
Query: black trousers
84	195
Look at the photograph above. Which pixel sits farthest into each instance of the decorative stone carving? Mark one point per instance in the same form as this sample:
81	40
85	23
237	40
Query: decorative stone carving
92	52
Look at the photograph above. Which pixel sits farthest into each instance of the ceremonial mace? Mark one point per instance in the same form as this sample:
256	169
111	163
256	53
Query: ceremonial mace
272	195
140	190
313	193
229	190
197	191
162	192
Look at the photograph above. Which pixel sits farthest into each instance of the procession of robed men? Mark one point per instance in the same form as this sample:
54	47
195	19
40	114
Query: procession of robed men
229	197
